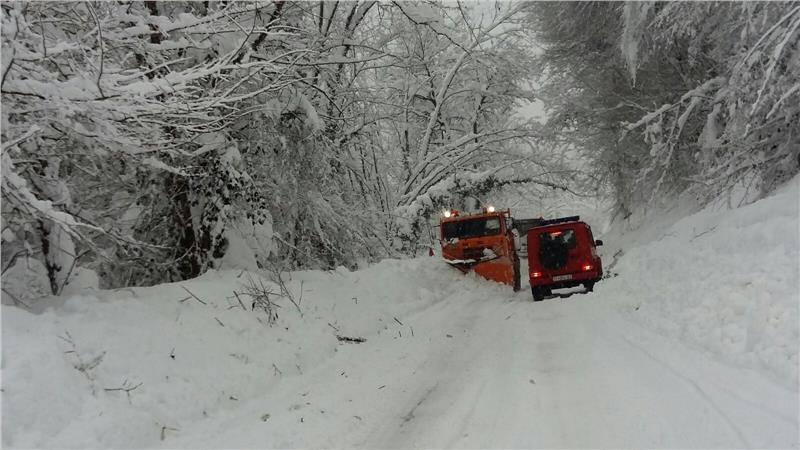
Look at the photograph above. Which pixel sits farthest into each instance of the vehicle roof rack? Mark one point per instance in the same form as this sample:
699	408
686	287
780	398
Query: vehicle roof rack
546	222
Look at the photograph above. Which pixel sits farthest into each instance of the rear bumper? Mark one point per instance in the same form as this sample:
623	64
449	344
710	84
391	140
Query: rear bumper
578	278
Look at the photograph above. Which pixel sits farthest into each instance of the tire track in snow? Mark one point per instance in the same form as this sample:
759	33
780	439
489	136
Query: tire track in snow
451	367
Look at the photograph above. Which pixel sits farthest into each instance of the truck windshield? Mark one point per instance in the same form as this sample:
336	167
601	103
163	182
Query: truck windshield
471	228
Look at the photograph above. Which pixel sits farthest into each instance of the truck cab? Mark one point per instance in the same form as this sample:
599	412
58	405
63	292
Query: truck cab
562	253
482	243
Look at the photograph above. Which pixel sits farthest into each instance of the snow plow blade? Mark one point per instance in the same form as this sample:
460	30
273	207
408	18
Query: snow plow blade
500	270
496	269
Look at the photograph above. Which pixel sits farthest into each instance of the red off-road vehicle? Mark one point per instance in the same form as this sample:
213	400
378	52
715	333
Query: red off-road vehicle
562	253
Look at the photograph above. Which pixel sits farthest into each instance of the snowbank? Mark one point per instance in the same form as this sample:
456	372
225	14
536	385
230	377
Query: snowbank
66	371
725	280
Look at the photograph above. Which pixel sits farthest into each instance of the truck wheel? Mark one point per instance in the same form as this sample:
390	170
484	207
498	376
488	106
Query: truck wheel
589	286
538	293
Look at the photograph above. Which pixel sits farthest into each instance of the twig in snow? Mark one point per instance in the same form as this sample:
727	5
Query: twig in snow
241	303
261	298
82	366
329	324
16	300
277	278
125	388
164	431
195	297
401	323
219	322
704	232
277	371
300	300
354	340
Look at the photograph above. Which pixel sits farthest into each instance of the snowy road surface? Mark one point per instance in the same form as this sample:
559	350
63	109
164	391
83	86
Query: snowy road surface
505	372
466	364
686	348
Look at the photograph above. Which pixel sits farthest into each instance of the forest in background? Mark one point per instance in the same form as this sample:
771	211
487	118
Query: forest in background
142	141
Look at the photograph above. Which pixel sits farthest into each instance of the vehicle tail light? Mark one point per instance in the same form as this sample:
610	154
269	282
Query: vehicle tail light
587	267
536	274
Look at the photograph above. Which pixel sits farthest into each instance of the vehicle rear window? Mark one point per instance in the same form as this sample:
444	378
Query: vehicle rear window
564	237
471	228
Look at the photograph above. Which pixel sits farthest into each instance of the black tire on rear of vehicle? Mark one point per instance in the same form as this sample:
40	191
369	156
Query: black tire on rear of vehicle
589	286
538	293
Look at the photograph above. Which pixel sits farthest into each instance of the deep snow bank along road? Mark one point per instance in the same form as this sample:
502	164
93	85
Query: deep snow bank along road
487	369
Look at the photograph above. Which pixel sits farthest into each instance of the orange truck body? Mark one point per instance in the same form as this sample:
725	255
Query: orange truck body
482	243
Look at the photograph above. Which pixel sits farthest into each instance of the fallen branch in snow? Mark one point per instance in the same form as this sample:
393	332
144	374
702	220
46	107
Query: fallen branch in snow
125	388
82	366
260	295
277	278
352	340
17	302
704	232
241	303
195	297
164	431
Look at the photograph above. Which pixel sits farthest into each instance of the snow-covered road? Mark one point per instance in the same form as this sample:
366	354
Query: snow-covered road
507	372
684	347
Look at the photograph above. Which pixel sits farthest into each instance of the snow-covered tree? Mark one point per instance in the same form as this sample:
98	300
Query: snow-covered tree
671	98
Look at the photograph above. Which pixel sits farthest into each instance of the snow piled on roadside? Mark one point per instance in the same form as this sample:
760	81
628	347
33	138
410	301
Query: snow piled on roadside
188	361
726	280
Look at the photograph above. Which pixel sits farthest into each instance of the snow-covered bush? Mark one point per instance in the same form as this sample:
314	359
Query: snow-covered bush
112	114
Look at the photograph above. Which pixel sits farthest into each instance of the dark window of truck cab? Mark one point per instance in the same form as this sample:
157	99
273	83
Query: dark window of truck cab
463	229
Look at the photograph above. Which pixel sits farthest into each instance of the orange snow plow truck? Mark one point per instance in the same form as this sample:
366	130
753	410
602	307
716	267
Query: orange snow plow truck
482	243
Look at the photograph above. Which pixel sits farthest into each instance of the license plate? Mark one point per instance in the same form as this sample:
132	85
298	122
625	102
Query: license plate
562	277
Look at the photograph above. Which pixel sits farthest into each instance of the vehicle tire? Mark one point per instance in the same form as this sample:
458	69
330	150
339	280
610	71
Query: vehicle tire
589	286
538	293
